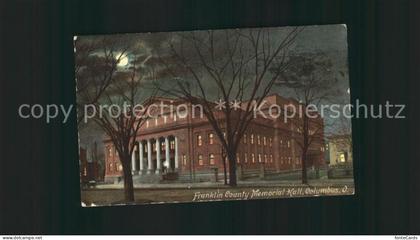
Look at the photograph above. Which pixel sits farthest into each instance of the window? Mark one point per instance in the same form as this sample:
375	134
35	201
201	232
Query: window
199	140
120	167
258	140
172	145
175	117
290	160
109	151
246	158
252	138
211	138
244	138
163	146
237	159
271	158
265	141
259	158
165	119
147	123
211	159
265	158
270	141
84	171
156	121
253	158
288	143
200	160
184	159
111	167
153	147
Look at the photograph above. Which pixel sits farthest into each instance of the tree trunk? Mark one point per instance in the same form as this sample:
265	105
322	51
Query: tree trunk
304	168
232	168
224	168
128	180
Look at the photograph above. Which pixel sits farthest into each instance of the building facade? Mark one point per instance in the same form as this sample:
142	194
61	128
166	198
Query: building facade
186	144
89	170
340	150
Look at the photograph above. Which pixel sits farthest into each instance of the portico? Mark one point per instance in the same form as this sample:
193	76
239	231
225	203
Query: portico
155	155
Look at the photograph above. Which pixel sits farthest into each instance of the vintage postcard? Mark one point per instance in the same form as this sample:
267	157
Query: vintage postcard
214	115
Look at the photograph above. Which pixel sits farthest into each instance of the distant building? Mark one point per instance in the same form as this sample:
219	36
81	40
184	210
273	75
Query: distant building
89	169
340	150
188	146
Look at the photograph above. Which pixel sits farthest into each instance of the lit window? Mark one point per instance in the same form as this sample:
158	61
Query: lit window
200	160
237	159
175	117
252	138
120	167
110	151
288	143
265	158
259	158
164	119
172	145
270	142
84	172
147	123
199	140
271	158
162	146
253	158
211	159
258	140
211	138
265	141
246	158
156	121
244	138
342	157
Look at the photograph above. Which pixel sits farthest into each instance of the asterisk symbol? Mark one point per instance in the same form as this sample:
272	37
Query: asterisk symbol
220	104
235	104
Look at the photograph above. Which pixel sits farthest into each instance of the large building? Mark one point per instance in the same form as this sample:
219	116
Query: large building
186	146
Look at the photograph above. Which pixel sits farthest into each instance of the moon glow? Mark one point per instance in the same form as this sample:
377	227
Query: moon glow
123	61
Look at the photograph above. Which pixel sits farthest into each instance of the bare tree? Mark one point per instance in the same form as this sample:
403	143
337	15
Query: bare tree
236	65
311	80
122	122
96	61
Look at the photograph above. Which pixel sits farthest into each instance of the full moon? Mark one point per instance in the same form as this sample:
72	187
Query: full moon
123	60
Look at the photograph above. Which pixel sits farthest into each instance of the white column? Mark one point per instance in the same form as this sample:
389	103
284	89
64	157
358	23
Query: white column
149	157
167	155
176	153
133	160
158	163
141	157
